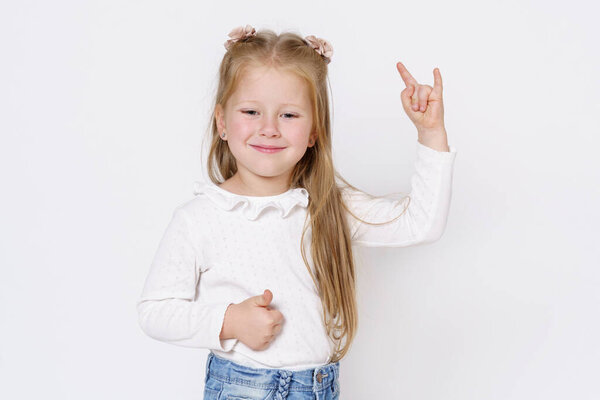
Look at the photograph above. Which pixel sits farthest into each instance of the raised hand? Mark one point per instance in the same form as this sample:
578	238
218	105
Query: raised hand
422	103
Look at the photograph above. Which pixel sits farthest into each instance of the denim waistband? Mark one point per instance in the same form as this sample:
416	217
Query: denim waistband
312	379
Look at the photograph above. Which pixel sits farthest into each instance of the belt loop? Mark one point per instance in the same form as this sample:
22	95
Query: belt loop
207	366
336	371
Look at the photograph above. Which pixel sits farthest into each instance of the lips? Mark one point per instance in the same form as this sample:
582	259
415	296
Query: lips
267	146
267	149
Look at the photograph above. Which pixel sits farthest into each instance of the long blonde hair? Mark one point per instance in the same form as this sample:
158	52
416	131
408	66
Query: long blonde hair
331	246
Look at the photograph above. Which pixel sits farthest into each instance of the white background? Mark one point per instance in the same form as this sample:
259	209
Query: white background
103	108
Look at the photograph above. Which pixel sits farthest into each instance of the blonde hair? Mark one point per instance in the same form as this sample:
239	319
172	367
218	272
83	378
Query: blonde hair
331	246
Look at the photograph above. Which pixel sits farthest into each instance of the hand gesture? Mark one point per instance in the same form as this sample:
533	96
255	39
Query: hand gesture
255	323
423	103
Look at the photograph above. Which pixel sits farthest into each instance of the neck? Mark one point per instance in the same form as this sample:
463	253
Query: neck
253	185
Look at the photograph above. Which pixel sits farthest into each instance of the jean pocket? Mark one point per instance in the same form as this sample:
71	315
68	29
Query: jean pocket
211	394
212	389
239	392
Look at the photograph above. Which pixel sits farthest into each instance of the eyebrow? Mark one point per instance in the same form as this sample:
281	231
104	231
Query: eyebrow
256	101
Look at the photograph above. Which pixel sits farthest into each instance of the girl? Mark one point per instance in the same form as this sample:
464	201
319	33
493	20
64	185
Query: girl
258	267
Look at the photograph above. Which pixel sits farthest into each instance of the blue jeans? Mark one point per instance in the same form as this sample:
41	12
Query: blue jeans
226	380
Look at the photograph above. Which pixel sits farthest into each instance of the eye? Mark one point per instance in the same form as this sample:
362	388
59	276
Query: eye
291	115
249	112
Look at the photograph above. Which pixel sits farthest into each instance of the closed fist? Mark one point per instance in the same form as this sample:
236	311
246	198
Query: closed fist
256	324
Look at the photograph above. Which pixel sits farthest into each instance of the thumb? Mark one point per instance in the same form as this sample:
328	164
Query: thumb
406	97
265	298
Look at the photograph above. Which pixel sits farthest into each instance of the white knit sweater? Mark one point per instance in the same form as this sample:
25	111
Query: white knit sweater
221	248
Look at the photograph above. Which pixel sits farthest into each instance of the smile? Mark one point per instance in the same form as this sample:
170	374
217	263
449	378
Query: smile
267	150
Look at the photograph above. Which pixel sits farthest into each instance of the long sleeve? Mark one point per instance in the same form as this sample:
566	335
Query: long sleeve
424	220
168	308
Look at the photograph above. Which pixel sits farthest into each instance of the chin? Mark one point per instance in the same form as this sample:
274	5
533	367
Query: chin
268	174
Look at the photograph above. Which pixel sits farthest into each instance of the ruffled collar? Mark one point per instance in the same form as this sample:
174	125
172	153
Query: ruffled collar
252	206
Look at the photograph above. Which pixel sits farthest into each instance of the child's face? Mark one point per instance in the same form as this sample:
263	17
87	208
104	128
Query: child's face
269	107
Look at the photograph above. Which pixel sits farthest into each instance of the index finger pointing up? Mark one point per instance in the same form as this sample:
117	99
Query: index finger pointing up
406	76
437	82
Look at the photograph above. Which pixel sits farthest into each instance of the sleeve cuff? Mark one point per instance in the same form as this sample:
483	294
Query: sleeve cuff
428	153
219	316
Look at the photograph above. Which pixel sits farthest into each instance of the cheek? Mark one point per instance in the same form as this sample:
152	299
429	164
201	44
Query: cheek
239	125
300	133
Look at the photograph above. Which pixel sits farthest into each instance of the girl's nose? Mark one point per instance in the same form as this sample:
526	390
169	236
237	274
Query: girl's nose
269	127
269	132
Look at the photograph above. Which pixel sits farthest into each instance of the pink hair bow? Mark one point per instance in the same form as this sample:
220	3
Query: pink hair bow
241	32
322	46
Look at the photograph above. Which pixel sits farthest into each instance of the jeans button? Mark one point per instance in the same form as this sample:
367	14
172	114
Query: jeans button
319	377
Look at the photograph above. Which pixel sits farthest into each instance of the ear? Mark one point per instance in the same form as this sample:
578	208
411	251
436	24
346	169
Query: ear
313	138
220	118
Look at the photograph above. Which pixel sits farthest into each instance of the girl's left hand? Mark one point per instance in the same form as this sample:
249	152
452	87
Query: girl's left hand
422	103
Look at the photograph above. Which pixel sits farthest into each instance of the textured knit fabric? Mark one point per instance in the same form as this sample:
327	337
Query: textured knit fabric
222	248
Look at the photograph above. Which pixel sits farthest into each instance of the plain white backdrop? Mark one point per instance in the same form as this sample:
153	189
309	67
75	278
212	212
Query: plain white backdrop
104	105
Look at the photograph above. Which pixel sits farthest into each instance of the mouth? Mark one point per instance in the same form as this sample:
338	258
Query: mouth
267	149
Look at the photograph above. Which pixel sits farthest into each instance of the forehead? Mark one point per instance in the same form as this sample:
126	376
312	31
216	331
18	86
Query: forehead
270	84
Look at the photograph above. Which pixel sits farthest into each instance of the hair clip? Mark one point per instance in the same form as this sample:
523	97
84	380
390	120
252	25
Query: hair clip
322	46
239	33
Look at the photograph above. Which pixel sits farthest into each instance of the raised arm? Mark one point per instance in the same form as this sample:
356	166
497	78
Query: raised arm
423	221
424	213
168	309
